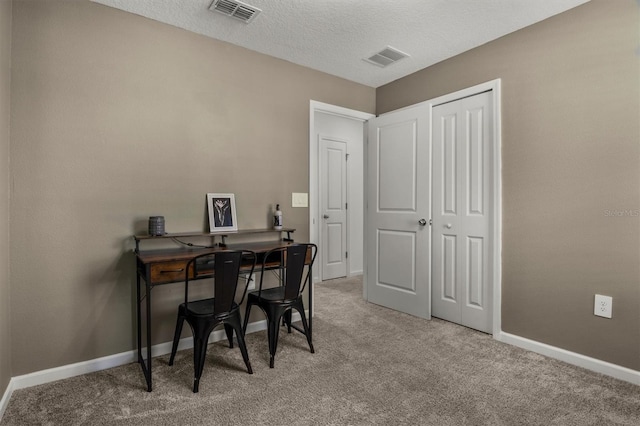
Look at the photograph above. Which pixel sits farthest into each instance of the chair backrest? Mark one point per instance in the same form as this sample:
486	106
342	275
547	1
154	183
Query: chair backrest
293	259
224	266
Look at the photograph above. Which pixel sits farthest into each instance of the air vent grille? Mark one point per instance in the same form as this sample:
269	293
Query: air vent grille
235	9
387	56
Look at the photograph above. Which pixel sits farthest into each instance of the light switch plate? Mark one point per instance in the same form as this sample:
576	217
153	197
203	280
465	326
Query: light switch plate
299	199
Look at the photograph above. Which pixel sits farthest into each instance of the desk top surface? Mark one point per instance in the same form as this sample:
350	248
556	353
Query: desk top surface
166	255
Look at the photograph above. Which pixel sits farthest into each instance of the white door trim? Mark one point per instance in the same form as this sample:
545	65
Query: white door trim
496	186
314	159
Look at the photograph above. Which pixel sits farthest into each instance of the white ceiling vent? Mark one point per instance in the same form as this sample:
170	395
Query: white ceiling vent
235	9
387	56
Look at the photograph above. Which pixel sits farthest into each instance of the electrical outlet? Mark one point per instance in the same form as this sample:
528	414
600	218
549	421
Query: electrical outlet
603	306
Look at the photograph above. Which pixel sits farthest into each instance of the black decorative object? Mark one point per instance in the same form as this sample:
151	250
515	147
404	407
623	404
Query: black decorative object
156	225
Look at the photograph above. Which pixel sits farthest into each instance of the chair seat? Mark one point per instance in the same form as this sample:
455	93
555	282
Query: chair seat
270	294
204	307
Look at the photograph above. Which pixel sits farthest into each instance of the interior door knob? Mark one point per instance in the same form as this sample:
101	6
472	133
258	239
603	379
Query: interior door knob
326	216
448	226
422	222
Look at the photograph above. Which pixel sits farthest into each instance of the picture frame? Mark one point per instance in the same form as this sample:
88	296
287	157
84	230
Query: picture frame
222	212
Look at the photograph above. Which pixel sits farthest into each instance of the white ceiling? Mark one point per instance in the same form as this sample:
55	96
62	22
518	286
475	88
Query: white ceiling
334	36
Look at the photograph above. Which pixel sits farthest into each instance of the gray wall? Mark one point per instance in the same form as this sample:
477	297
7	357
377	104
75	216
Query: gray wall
5	89
116	118
570	155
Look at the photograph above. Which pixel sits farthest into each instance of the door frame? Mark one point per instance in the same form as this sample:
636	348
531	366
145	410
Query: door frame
493	86
314	179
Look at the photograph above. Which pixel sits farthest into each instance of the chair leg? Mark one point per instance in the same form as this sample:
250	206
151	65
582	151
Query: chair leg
305	325
229	330
176	338
273	321
201	332
287	320
199	355
234	324
246	318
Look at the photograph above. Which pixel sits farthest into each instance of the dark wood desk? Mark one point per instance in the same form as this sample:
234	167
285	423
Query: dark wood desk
166	266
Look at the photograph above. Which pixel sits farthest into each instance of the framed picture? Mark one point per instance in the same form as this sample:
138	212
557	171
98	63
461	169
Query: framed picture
222	212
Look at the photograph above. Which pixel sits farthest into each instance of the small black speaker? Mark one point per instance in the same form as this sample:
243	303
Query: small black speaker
156	225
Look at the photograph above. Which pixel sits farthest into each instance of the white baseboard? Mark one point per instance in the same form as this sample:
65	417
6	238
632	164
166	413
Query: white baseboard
116	360
596	365
5	398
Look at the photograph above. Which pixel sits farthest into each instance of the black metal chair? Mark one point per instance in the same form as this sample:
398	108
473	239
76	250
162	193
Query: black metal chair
206	314
278	302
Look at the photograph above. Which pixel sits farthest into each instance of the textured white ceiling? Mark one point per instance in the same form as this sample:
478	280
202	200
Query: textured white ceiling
334	36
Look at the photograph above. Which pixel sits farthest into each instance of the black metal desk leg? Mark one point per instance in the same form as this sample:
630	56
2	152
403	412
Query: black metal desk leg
144	364
310	306
139	319
148	300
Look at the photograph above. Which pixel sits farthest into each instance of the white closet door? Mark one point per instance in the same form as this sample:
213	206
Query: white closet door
462	200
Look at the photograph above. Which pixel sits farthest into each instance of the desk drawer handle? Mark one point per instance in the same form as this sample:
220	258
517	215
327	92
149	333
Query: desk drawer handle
173	271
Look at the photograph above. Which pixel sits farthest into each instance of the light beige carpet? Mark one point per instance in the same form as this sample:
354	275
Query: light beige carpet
371	366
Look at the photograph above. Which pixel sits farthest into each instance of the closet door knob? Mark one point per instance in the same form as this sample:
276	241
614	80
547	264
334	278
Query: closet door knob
422	222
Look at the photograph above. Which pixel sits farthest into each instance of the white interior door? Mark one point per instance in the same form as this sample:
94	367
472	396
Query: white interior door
348	125
462	211
333	207
398	193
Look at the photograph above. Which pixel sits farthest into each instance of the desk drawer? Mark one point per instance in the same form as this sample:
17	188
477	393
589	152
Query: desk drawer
168	272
